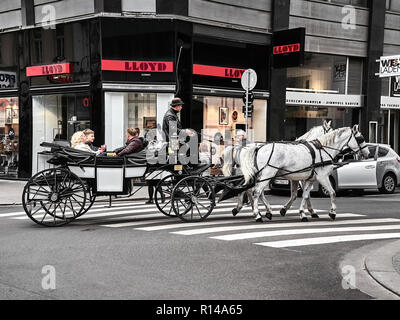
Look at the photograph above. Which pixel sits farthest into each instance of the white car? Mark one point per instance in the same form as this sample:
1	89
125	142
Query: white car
380	171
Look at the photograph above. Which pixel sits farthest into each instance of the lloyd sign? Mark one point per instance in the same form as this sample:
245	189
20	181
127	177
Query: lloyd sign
7	80
137	66
389	66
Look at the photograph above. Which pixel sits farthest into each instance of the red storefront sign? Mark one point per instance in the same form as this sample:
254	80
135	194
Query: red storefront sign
287	48
50	69
213	71
137	66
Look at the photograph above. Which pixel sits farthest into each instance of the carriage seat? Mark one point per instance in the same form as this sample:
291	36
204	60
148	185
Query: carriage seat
137	159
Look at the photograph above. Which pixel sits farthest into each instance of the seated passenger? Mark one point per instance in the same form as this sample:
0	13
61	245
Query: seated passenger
90	139
133	144
78	142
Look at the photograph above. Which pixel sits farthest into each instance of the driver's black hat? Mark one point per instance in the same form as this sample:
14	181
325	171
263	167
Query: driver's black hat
176	102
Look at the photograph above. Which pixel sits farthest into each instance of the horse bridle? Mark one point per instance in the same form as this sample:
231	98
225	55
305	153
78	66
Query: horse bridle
326	130
360	140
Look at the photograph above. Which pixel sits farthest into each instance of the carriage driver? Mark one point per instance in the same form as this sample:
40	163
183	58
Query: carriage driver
172	116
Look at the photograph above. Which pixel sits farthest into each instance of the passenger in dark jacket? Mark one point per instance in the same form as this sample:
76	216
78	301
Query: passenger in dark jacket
133	144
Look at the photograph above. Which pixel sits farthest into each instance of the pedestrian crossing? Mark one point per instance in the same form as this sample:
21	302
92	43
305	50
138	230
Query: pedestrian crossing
281	232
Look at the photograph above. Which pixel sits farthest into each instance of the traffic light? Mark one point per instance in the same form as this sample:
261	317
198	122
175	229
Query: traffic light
251	97
250	106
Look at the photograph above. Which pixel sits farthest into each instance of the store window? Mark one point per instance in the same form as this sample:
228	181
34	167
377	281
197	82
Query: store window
57	118
125	110
319	72
9	137
142	112
300	119
221	114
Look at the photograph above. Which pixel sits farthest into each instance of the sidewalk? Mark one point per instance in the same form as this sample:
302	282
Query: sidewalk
11	193
383	265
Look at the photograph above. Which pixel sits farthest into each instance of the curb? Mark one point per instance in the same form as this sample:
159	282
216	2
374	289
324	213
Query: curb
379	265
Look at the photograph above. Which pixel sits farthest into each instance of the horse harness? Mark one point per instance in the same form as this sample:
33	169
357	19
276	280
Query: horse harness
309	145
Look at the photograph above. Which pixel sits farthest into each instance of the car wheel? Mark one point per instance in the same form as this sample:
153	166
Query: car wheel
388	183
323	192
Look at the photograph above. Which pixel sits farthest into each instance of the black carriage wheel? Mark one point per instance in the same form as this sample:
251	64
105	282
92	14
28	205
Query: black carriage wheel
163	195
193	199
54	197
90	199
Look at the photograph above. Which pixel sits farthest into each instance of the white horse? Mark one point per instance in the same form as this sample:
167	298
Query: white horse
231	158
294	162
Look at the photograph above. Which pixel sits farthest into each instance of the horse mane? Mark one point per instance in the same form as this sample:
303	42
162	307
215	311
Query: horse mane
330	137
307	134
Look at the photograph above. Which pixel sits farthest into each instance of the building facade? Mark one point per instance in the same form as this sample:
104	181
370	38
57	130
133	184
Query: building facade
68	65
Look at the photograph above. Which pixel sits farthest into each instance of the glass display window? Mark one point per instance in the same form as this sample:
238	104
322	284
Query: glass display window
300	119
320	72
57	118
9	137
222	114
124	110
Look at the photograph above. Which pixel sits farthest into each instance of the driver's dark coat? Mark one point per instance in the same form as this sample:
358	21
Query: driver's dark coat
171	115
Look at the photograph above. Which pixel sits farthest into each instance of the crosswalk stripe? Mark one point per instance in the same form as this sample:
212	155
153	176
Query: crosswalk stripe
201	224
12	214
382	200
135	223
188	224
281	225
90	215
325	240
154	213
134	207
252	235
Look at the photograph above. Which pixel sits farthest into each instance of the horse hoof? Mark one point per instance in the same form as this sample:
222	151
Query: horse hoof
304	219
315	216
235	212
283	212
268	216
259	220
333	216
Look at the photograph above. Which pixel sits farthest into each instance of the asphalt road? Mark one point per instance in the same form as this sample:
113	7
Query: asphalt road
109	254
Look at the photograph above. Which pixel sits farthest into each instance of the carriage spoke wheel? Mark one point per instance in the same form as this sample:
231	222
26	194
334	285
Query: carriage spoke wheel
163	195
193	199
54	197
90	199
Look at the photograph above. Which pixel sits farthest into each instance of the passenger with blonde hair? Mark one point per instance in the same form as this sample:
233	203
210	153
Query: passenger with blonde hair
78	142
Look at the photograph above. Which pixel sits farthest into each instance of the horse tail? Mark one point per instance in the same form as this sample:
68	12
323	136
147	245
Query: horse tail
227	157
247	159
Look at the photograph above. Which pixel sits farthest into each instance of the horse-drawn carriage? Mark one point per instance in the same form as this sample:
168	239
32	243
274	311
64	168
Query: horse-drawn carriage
57	196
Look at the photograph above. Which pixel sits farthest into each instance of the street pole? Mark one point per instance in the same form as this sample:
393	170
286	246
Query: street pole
247	107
